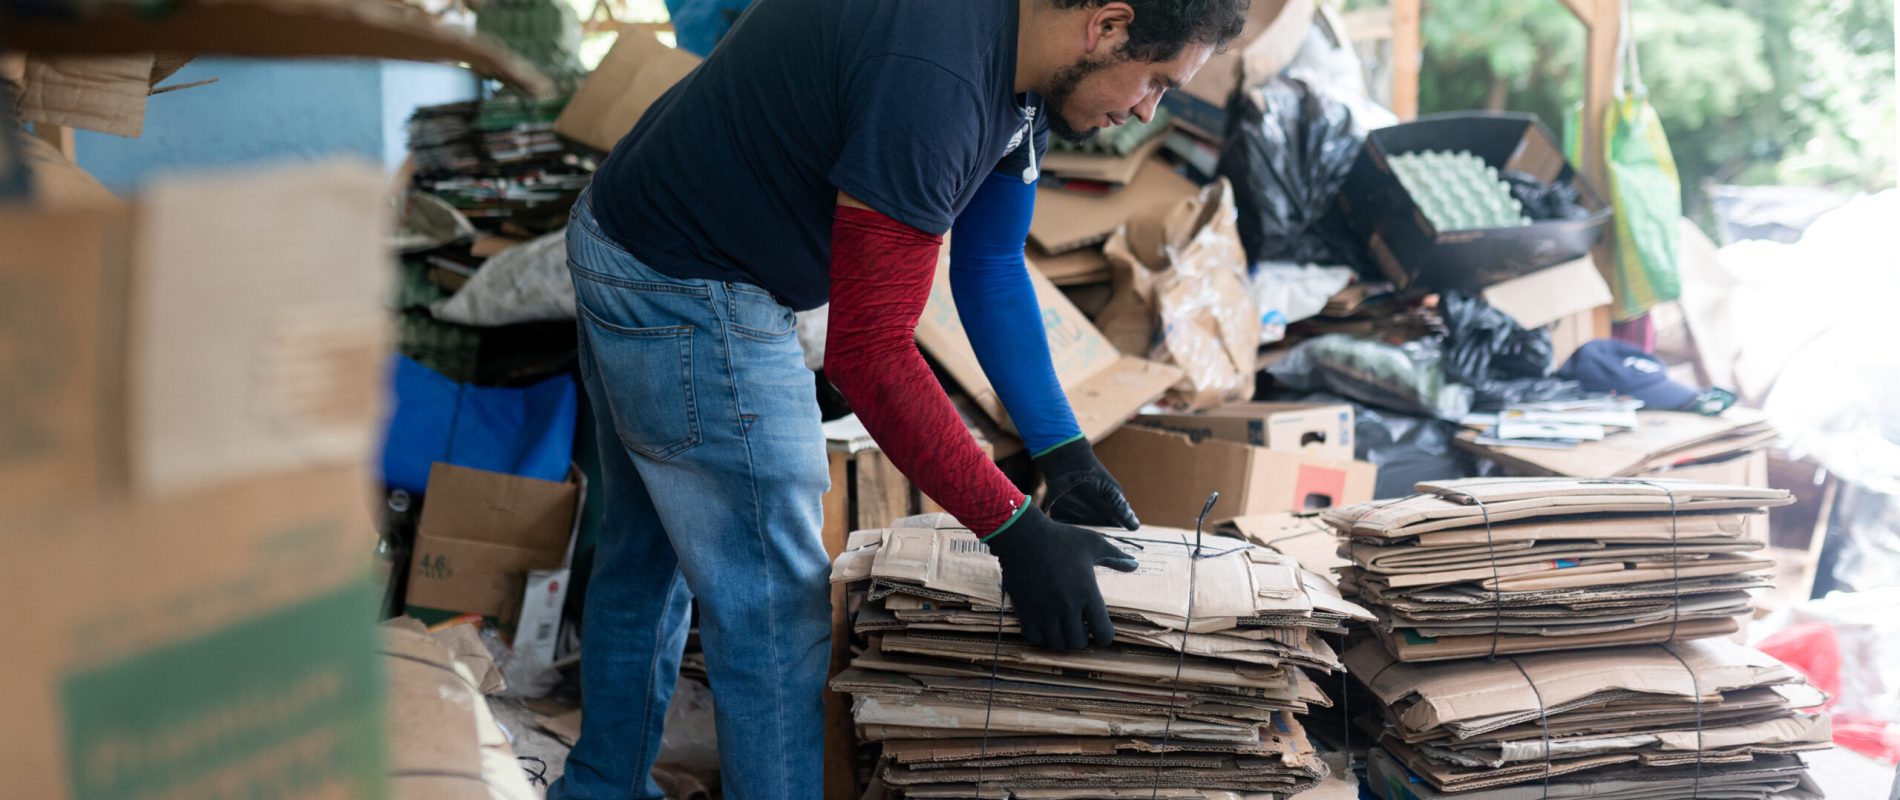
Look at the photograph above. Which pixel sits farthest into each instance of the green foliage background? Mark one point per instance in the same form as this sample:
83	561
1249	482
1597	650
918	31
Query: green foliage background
1750	91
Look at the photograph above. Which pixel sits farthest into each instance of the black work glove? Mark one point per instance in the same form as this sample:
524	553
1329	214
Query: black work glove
1049	575
1081	492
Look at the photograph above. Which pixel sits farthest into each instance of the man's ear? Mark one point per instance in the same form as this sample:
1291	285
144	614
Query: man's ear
1108	28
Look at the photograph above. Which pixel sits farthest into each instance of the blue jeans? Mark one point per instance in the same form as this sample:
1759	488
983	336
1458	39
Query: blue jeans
713	464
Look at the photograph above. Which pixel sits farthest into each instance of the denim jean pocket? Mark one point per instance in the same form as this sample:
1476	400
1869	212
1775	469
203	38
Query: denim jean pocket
756	314
648	385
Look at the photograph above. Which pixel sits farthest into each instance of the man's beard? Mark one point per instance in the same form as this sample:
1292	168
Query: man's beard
1056	100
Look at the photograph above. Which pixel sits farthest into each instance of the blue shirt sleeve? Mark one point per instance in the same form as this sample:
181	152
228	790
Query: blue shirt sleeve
997	302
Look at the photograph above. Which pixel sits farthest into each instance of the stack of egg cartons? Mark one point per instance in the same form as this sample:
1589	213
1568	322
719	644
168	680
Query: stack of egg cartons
1458	191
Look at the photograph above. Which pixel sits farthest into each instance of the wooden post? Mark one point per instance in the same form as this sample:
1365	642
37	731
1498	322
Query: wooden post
883	492
841	757
1605	25
1407	56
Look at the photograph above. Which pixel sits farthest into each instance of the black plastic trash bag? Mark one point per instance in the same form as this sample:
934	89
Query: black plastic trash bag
1287	151
1502	362
1407	378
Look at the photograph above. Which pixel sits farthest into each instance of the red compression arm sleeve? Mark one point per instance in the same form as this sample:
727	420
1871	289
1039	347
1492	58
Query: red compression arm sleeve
881	271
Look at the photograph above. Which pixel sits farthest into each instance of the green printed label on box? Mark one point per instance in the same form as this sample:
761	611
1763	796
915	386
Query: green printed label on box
287	704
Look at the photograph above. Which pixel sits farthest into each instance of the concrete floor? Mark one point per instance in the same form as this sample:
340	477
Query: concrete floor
530	740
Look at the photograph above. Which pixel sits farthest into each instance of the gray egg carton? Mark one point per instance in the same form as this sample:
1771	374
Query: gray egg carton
1458	191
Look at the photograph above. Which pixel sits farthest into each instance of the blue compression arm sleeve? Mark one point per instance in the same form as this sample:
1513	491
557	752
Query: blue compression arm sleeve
990	281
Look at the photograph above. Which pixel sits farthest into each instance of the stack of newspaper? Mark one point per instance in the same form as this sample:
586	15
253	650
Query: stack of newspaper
1500	566
1708	718
955	696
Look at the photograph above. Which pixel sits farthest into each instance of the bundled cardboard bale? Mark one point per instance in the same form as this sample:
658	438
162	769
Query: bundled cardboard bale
1701	718
1561	636
1501	566
1211	697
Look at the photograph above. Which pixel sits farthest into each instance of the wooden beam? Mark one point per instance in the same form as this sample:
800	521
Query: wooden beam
1599	91
883	493
1585	12
1599	86
1407	57
841	746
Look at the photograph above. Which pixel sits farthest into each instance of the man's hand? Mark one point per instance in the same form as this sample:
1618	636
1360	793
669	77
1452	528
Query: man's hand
1049	575
1081	492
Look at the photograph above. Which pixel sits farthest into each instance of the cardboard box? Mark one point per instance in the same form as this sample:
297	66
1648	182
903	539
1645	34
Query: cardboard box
1067	221
273	29
184	645
1105	172
1104	386
1410	251
259	339
1200	106
628	81
1546	296
1167	475
193	621
105	94
1077	267
1315	429
481	536
223	327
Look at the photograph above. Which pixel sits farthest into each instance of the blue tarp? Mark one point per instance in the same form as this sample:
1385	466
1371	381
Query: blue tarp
527	431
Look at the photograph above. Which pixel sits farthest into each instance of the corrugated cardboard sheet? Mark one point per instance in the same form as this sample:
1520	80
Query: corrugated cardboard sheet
628	81
100	93
1104	386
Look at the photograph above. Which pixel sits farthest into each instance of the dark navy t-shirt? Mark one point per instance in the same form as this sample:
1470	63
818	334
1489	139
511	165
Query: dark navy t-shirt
905	105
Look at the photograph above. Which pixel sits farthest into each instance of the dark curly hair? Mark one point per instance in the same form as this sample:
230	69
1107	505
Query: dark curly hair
1162	28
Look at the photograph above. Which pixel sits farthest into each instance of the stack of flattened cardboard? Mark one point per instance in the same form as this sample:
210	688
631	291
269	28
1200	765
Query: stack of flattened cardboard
1707	718
1516	565
945	666
1661	441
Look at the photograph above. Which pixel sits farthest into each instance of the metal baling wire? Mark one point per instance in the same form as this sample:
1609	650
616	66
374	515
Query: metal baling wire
1675	560
989	705
1695	685
1543	718
1180	659
1497	594
996	655
1675	551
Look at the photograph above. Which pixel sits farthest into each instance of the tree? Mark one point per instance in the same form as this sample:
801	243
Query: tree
1749	91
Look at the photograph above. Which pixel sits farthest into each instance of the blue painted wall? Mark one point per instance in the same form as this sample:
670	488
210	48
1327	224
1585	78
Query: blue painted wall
264	111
